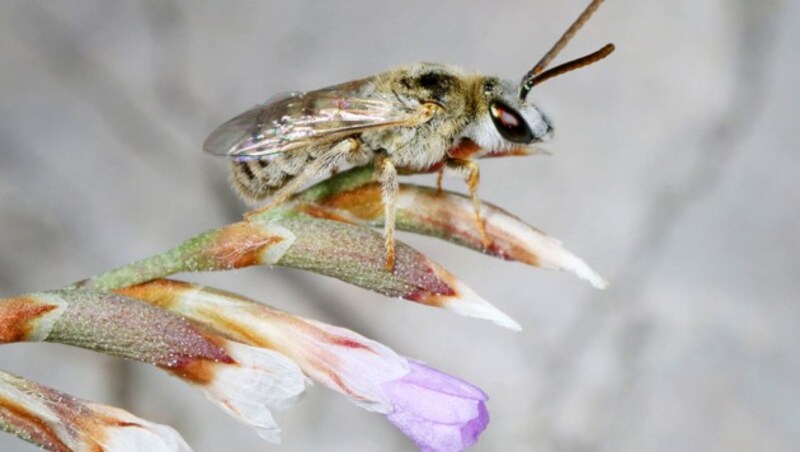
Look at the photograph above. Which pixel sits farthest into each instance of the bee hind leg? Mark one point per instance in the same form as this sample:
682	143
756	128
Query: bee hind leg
469	171
331	158
386	173
439	177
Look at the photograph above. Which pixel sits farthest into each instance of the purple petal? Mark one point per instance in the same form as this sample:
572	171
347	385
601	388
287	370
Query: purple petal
422	375
437	411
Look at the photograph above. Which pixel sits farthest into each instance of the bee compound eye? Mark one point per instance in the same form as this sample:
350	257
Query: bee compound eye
509	123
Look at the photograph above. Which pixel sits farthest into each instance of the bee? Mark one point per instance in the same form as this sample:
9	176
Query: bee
420	118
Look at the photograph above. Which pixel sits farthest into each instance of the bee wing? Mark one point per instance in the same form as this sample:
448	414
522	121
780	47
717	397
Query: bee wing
296	120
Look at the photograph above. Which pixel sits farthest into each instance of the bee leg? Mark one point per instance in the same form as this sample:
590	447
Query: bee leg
330	159
469	171
386	173
439	177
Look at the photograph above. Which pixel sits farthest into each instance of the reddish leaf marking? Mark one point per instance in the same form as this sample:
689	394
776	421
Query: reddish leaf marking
239	245
345	342
163	293
198	366
18	317
364	203
38	430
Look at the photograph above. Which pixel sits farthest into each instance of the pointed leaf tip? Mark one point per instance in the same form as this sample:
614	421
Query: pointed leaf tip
470	304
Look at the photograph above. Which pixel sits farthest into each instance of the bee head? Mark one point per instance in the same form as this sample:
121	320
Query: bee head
503	121
514	121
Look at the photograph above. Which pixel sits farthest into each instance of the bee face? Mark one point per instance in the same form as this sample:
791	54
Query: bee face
503	121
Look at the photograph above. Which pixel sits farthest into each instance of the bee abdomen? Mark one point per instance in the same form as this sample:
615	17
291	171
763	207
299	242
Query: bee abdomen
254	180
257	179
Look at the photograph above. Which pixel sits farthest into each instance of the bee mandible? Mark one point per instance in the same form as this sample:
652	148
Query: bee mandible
419	118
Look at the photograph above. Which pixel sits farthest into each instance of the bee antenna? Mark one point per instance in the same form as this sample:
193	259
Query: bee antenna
525	85
569	66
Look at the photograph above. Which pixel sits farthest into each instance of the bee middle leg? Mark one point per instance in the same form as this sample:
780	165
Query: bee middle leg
386	173
331	158
468	170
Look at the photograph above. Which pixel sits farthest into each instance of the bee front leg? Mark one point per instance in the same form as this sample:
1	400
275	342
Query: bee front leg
469	171
330	159
386	173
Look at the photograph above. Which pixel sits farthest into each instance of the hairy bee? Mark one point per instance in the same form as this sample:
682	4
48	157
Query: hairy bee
419	118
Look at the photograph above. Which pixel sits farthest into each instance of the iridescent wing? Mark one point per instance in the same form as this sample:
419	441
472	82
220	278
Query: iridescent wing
297	120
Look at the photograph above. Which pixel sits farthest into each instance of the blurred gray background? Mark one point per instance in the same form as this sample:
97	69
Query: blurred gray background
673	174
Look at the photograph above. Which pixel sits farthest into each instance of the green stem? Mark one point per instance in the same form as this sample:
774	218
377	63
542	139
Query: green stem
182	258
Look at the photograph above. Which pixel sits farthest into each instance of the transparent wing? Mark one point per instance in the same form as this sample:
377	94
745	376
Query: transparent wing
295	120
